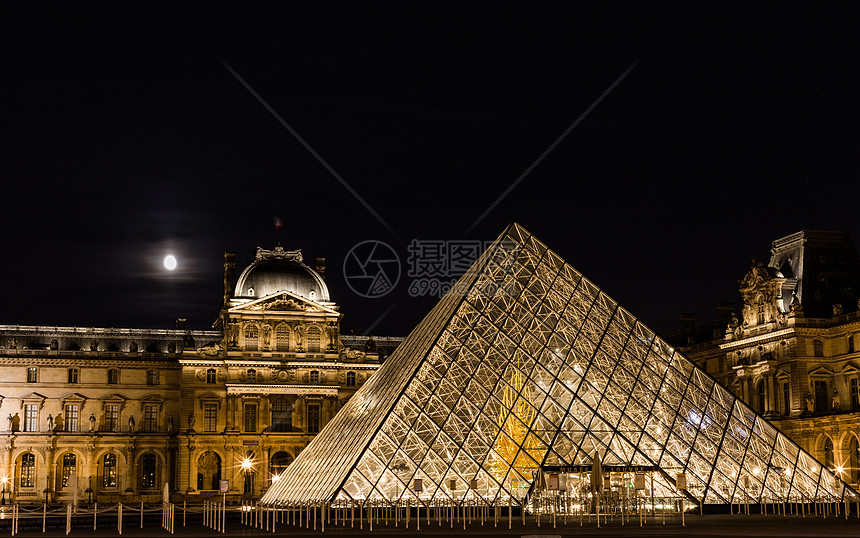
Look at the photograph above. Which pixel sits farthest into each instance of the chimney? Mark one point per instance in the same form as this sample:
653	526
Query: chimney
320	266
688	322
229	275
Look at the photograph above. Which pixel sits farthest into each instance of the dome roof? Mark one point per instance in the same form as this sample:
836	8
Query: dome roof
279	270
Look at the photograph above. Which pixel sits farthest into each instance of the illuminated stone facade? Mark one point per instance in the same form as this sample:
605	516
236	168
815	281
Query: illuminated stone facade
128	410
793	355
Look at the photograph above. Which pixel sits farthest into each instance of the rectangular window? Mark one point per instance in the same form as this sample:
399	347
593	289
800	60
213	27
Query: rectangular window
109	474
282	420
250	417
32	375
821	403
150	418
31	417
855	393
111	418
786	399
113	376
152	377
71	422
28	470
210	417
73	375
313	418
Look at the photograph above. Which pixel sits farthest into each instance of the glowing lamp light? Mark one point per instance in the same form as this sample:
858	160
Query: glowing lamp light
756	471
170	262
840	469
276	477
4	479
246	464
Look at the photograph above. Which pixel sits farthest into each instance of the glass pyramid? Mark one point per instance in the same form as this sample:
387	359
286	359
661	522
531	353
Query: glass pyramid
523	364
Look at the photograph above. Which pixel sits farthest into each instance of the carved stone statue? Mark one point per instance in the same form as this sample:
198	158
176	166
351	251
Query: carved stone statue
191	422
9	427
50	423
838	310
267	336
300	336
795	308
92	422
13	343
835	405
810	403
170	424
94	345
232	335
132	347
55	344
131	424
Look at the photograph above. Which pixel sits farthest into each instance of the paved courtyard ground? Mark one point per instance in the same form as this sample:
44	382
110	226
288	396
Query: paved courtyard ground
704	526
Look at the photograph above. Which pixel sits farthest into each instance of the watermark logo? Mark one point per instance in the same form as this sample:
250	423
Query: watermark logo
371	269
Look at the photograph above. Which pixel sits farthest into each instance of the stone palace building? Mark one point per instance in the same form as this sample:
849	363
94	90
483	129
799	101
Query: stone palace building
115	414
794	353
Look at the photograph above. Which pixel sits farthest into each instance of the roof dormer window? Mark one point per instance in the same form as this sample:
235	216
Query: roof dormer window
250	292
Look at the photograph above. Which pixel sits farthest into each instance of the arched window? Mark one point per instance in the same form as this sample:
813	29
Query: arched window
211	376
249	473
854	459
818	348
312	295
109	471
252	376
28	470
762	396
252	340
282	338
314	377
350	379
828	453
314	337
208	471
278	463
147	470
282	416
70	463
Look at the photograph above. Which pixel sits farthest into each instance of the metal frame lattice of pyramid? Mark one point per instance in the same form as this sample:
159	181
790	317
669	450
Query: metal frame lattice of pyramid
526	363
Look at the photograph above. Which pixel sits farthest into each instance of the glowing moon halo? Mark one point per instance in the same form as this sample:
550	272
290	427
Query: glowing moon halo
170	262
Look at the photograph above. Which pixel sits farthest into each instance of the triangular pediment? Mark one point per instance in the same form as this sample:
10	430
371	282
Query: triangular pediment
283	301
821	371
73	396
850	369
33	396
114	397
527	365
153	398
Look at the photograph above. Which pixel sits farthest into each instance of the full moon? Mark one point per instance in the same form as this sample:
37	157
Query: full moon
170	262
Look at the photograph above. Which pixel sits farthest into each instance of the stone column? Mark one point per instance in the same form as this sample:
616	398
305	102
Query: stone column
264	415
51	465
192	467
771	394
745	389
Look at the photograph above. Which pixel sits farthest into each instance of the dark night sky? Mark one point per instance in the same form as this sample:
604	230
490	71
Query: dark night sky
126	138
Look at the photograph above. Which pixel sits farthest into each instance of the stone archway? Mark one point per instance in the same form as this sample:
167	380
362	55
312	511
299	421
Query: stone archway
208	471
